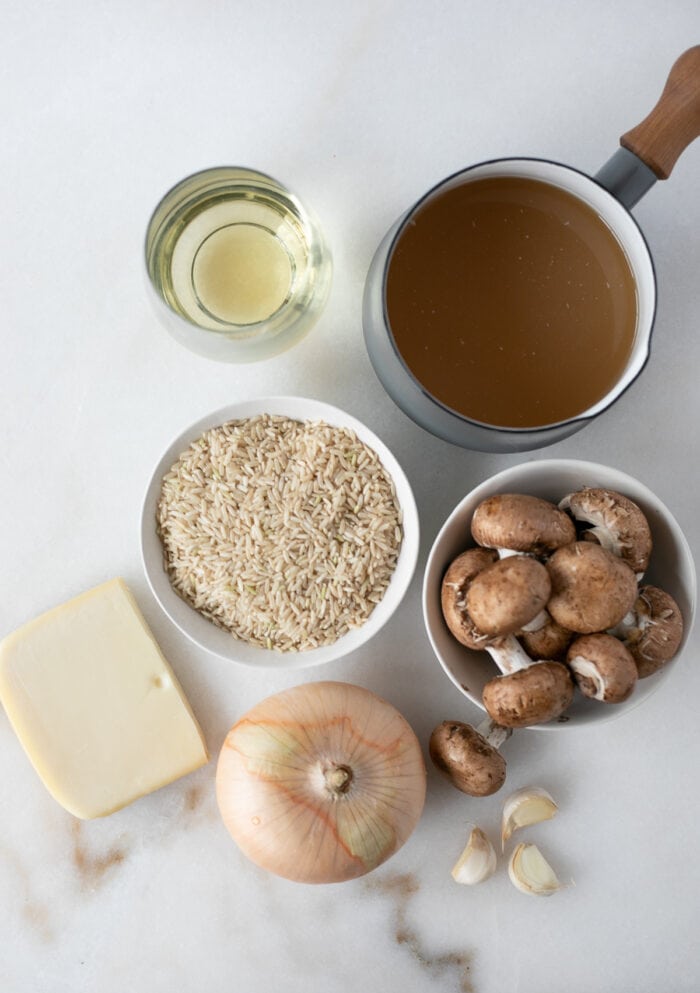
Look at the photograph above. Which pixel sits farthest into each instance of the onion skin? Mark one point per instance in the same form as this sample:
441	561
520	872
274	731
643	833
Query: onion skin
321	783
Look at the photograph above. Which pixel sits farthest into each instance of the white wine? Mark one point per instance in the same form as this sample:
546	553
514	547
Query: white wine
234	262
242	274
231	251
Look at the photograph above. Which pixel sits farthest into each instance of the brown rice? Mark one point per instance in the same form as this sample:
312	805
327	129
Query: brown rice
283	532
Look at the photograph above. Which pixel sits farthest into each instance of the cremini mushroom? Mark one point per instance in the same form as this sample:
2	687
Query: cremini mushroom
652	631
603	668
468	757
548	640
521	523
533	694
524	697
529	691
453	594
484	598
507	595
618	524
592	589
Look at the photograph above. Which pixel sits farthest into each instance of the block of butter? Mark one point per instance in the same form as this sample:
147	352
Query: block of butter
96	705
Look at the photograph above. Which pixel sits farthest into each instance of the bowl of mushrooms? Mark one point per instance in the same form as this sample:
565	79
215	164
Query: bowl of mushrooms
558	593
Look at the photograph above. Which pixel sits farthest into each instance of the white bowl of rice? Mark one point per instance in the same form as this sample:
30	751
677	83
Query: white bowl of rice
279	532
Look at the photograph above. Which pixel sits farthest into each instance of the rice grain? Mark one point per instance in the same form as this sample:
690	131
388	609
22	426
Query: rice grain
284	533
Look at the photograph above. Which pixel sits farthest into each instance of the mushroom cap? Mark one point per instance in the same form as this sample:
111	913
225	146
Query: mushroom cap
603	668
592	589
657	632
548	642
453	594
521	522
467	759
618	523
505	596
529	696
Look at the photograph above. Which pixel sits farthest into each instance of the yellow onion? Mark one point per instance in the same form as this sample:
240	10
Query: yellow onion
321	783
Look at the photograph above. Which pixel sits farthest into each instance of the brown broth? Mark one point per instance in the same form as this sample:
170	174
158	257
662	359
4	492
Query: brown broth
511	301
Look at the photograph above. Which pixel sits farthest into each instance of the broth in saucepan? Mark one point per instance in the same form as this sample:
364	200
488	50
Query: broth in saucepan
511	301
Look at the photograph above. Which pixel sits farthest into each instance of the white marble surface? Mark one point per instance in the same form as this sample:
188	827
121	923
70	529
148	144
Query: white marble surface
358	107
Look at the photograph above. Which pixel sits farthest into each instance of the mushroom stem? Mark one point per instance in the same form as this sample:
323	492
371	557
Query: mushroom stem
504	553
628	624
537	623
509	655
586	673
603	537
493	733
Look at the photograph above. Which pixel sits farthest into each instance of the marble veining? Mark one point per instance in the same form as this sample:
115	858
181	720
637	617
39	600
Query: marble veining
401	887
359	108
93	868
35	913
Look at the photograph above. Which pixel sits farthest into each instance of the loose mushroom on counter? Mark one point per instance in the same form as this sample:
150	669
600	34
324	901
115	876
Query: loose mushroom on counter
468	757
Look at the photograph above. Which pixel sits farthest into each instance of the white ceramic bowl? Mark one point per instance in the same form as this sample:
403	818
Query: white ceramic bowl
671	568
207	635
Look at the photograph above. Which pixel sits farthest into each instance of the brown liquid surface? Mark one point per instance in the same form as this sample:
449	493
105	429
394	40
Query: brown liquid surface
512	302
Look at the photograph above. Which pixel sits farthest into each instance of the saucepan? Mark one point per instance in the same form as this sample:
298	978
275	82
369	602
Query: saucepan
427	337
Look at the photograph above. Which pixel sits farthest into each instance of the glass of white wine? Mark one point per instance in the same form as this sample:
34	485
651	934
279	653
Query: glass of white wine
237	267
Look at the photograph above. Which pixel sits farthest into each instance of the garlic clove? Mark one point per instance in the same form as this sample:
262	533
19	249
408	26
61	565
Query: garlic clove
524	807
478	860
530	872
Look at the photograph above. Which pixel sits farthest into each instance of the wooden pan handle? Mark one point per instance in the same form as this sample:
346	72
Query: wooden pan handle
675	120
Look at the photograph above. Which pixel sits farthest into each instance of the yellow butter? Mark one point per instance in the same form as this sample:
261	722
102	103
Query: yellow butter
96	705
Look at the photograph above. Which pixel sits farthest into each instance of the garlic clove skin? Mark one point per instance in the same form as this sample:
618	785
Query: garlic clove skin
530	872
478	860
525	807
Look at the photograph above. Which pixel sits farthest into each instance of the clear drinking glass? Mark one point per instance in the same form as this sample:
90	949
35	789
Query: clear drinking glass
237	266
